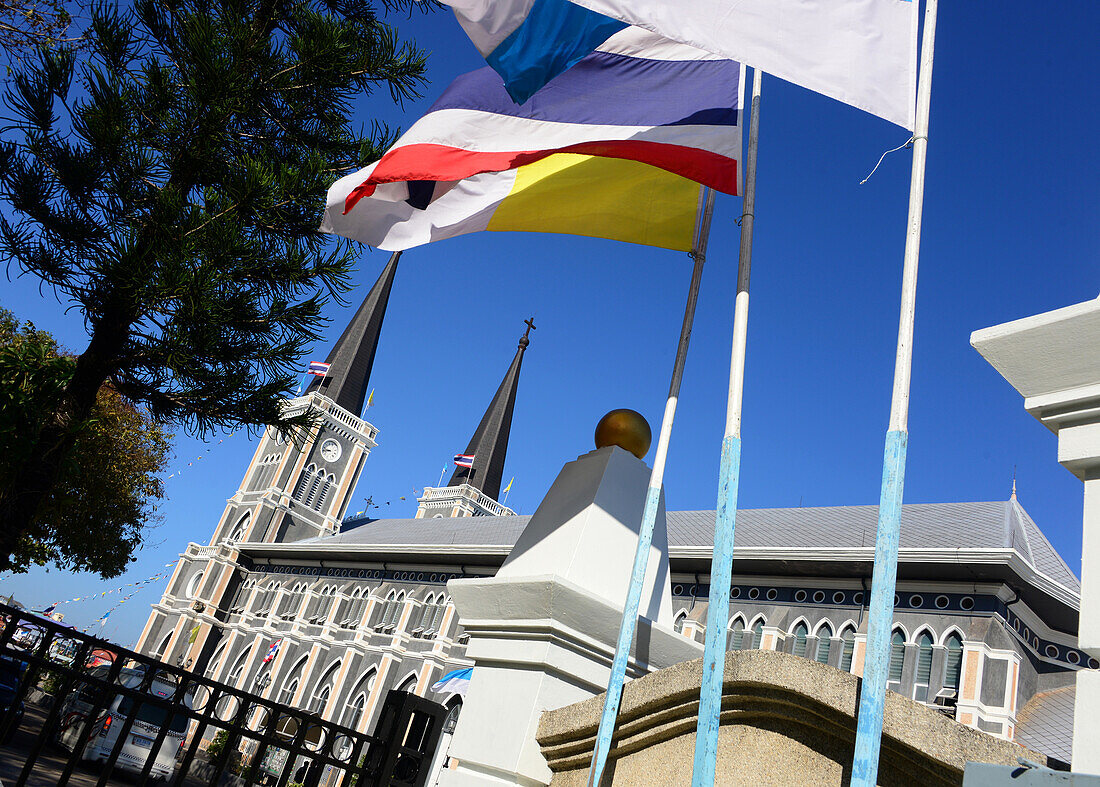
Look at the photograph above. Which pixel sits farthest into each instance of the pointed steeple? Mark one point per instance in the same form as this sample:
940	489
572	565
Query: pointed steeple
489	445
352	357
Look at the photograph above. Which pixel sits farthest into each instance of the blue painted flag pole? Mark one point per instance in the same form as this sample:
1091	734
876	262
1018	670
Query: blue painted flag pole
652	503
881	611
721	566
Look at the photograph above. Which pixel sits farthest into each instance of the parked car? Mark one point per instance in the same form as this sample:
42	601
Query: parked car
116	707
11	676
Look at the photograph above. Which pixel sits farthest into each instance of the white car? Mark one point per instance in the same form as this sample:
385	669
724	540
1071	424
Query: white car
105	729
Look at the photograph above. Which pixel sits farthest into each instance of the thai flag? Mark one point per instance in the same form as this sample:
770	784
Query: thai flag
273	650
464	460
319	368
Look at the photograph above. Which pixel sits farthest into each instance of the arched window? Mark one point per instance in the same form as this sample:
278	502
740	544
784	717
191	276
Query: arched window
353	714
408	684
292	601
953	662
244	593
847	648
238	669
800	633
291	682
757	635
195	584
391	611
323	689
326	486
897	660
321	604
163	646
432	616
678	622
427	613
455	709
824	643
314	485
924	667
360	599
215	660
241	528
267	598
306	481
735	639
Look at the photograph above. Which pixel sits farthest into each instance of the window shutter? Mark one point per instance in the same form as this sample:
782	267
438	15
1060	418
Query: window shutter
953	663
924	659
897	657
800	632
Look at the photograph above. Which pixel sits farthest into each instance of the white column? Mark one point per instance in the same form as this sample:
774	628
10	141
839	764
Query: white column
1053	360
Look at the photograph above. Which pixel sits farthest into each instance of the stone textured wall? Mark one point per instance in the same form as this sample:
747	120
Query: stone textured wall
785	720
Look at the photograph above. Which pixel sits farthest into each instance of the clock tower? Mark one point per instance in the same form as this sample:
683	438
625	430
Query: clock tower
296	487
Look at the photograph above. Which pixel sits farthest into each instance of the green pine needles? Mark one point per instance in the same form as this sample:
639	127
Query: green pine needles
169	181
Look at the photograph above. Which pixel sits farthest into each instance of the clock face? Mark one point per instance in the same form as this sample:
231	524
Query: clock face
330	450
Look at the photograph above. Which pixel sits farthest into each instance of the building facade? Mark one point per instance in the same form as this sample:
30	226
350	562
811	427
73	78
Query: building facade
296	600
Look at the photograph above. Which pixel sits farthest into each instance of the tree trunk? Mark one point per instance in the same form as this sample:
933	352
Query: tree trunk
31	484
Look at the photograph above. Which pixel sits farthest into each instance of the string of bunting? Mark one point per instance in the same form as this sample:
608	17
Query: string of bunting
140	584
202	455
138	587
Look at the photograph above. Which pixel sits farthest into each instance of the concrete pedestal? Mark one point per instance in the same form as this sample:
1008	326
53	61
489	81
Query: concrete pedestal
543	630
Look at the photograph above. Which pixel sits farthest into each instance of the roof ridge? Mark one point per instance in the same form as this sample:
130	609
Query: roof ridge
1028	524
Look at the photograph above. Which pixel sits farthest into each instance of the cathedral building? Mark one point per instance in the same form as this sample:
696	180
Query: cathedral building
351	607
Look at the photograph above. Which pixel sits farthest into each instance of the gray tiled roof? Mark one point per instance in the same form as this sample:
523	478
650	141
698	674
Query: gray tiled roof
992	525
1045	723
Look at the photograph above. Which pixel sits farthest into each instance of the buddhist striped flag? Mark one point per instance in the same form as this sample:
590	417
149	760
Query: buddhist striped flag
616	147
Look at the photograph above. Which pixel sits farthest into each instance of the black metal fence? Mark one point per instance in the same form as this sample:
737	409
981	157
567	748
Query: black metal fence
77	710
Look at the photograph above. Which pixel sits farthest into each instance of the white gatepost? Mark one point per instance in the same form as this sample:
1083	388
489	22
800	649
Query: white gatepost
1053	360
543	630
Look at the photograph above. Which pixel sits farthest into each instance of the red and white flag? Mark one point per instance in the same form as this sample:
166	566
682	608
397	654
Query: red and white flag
273	650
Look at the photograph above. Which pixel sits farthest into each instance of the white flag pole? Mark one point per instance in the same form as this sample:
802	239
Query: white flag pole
883	584
721	566
652	503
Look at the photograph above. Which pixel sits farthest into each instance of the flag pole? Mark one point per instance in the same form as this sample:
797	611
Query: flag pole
652	502
721	567
884	580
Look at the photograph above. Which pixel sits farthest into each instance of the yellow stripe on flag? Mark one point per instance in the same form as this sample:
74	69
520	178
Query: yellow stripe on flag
601	198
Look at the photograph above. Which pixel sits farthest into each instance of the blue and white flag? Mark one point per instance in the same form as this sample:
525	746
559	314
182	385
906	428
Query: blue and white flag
861	52
455	682
464	460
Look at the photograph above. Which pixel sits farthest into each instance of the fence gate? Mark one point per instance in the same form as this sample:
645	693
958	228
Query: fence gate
77	710
411	726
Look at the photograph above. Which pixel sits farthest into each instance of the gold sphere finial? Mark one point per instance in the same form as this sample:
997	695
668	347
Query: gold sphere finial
625	428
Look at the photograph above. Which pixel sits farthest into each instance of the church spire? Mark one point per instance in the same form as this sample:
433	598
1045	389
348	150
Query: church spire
353	355
489	445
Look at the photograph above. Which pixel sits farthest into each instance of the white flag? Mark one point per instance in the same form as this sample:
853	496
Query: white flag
861	52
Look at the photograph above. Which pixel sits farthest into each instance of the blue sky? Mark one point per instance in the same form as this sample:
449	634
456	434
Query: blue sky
1010	230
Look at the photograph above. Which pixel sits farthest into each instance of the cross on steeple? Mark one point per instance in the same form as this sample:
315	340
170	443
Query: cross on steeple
524	341
489	445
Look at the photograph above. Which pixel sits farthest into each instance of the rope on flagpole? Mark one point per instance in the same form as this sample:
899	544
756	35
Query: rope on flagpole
907	144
